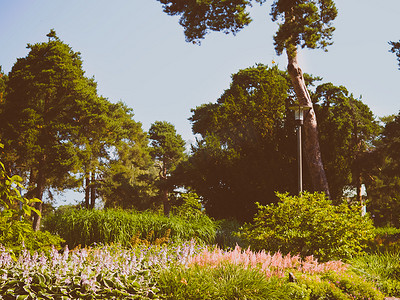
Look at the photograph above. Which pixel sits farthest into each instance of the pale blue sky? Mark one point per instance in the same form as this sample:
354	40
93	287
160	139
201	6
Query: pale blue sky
138	54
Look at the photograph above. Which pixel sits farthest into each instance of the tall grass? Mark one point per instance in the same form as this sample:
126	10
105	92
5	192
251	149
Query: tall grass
381	268
88	227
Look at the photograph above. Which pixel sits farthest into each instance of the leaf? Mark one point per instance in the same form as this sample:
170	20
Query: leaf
36	211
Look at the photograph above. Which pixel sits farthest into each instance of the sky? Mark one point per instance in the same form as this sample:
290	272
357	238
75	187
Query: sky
138	54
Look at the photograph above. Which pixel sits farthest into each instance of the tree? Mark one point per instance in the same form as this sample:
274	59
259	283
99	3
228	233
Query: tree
246	150
383	186
347	130
396	49
168	150
128	175
304	23
40	117
3	82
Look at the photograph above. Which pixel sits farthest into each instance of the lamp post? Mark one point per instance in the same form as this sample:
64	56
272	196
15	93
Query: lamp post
299	111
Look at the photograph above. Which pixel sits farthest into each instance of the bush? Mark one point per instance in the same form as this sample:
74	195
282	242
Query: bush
16	230
19	235
226	236
127	227
309	225
338	286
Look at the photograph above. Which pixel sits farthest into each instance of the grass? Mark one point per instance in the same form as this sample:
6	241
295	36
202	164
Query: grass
89	227
381	268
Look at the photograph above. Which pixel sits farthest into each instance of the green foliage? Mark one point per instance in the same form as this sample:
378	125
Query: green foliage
227	281
86	227
337	286
381	268
127	175
396	49
246	148
189	206
39	121
384	185
169	272
199	17
303	23
16	231
347	129
103	273
19	235
227	237
387	239
309	225
167	149
166	145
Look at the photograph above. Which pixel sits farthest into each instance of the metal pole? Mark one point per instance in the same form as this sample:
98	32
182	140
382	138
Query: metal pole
299	159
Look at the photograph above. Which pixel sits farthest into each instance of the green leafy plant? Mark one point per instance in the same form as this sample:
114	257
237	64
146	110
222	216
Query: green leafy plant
309	225
16	230
338	286
227	281
386	239
86	227
227	234
381	268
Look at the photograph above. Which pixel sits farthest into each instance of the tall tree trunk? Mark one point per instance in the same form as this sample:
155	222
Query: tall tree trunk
164	190
311	141
166	203
40	183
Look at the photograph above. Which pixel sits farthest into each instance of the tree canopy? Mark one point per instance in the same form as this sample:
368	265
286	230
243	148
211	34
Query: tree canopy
54	125
245	152
167	148
347	130
302	23
396	49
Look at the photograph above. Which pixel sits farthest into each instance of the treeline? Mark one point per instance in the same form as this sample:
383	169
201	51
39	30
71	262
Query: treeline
58	134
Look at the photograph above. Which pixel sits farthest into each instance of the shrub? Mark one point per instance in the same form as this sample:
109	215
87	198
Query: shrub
127	227
338	286
16	230
226	236
309	225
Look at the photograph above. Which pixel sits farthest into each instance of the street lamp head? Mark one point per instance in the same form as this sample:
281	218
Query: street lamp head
299	111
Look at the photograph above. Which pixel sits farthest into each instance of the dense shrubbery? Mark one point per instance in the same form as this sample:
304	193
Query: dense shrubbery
127	227
310	225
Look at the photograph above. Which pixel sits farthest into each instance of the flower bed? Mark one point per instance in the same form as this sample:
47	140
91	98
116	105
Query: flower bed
180	271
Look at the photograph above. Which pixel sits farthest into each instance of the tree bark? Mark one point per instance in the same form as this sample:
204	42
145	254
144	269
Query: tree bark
164	189
311	141
39	195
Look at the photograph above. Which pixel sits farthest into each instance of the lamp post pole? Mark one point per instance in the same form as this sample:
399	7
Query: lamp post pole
299	117
299	159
